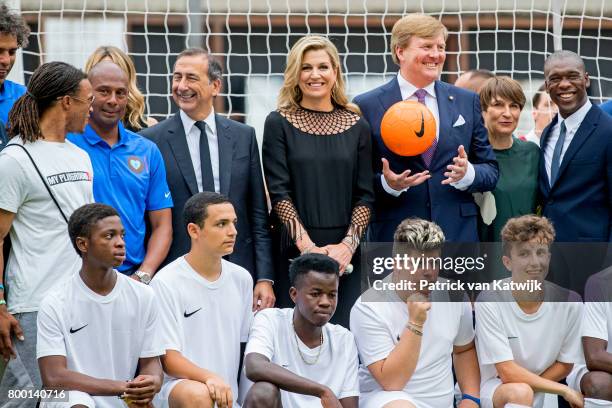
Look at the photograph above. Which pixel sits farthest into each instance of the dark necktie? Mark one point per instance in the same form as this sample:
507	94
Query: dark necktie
556	158
427	155
208	181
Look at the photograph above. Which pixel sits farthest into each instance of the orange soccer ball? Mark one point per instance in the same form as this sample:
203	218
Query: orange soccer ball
408	128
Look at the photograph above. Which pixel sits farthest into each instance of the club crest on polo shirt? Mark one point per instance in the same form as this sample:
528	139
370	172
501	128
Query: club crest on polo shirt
135	164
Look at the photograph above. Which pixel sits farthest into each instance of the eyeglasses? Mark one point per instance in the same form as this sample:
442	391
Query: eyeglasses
88	101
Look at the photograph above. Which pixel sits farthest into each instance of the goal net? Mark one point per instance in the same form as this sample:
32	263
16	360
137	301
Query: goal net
252	39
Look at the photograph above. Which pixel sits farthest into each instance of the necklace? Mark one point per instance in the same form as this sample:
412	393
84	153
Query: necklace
300	351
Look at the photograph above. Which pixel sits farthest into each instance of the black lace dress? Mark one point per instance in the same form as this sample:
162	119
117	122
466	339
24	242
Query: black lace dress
318	168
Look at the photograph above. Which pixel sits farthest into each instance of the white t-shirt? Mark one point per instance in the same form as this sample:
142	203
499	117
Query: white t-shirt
41	249
535	341
272	335
206	321
597	319
597	322
100	336
377	327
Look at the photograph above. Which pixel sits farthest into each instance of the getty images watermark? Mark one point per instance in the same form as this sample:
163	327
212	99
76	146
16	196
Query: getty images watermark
410	268
556	272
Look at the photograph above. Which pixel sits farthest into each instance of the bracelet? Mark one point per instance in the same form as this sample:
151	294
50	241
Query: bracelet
2	302
1	286
350	248
414	330
471	398
348	242
419	326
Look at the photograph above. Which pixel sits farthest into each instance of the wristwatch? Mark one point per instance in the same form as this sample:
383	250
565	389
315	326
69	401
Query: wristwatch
143	276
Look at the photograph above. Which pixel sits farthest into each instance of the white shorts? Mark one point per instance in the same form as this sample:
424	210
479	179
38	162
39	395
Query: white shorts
378	399
487	390
75	398
574	378
161	399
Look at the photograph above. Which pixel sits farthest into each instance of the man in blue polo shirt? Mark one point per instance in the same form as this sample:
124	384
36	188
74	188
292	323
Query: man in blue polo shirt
129	173
14	34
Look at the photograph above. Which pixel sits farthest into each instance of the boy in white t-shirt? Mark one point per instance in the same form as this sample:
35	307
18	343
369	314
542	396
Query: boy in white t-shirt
99	327
206	309
409	339
295	357
594	379
527	340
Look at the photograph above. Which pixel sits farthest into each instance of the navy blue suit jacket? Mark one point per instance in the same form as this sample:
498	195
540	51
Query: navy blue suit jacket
579	203
240	179
452	209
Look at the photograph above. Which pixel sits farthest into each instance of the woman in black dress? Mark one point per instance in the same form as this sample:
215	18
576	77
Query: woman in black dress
318	166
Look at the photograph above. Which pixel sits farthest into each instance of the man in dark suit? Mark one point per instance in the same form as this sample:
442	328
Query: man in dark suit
576	163
575	177
207	152
438	184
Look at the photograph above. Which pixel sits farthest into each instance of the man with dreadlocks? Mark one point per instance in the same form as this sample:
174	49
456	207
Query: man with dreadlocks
13	35
48	178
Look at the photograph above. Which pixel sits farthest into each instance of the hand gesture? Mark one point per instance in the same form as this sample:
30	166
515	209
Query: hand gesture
142	389
404	180
220	392
329	400
457	170
341	254
574	398
313	249
8	325
263	296
418	307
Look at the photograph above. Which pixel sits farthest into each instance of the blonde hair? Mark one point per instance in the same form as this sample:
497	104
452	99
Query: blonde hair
134	114
417	25
290	94
417	234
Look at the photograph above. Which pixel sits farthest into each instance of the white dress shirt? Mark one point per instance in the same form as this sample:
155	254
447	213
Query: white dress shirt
407	90
193	143
572	123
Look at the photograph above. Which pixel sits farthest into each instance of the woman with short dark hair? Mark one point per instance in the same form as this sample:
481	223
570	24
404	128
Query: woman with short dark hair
502	100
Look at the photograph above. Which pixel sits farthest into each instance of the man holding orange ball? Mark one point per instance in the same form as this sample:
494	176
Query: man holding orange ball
436	185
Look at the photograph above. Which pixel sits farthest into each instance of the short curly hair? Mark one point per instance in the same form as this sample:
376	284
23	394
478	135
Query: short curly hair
526	228
13	24
301	265
84	218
